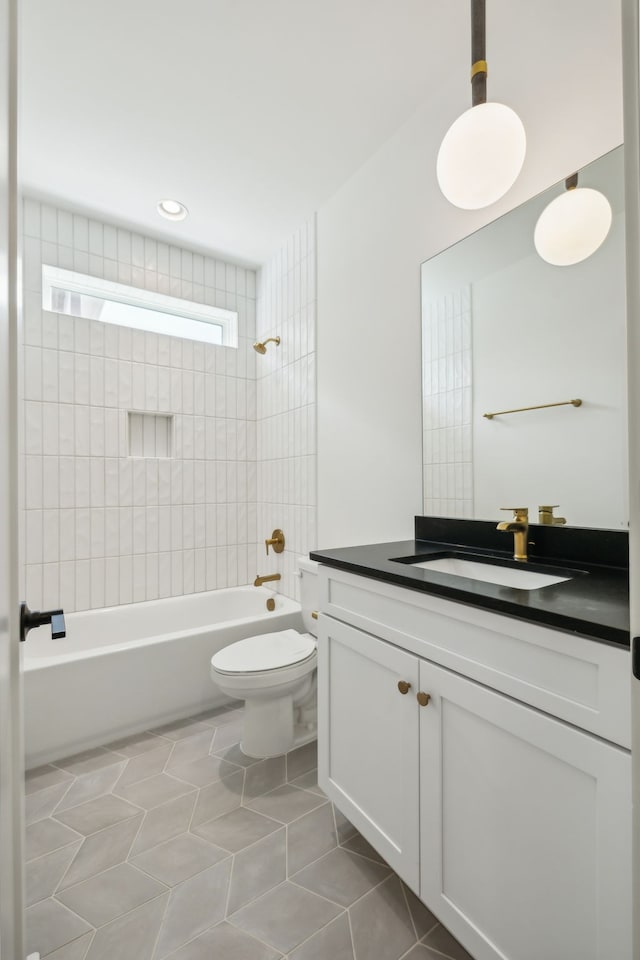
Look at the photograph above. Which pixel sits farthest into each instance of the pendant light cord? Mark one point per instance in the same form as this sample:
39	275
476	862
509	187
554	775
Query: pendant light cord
478	52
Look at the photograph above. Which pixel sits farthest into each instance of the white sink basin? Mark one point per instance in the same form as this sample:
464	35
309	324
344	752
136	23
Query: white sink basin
520	578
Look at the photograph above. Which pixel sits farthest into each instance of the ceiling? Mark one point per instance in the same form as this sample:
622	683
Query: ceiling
251	112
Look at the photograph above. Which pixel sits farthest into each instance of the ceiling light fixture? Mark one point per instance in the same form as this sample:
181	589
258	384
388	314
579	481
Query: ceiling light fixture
573	226
172	210
483	150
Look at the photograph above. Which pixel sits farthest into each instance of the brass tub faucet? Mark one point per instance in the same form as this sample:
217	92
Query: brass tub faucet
269	577
519	527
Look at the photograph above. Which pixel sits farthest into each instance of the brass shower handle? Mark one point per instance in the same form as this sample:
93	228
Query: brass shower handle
276	540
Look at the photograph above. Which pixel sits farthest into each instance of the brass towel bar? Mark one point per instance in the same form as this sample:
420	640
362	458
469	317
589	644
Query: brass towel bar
540	406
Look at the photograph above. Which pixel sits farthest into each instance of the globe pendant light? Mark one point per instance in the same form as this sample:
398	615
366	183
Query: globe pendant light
483	151
573	226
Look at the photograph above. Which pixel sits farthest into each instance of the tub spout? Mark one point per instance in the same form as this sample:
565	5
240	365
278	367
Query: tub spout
260	580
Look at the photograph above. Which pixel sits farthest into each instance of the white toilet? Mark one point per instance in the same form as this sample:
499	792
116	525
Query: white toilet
275	674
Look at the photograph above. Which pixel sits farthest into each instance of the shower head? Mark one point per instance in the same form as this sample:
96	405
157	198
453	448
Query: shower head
262	347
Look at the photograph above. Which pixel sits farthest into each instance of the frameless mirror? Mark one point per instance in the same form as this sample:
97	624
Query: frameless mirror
501	330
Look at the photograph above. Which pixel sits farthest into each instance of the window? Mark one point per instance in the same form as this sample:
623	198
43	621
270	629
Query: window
79	295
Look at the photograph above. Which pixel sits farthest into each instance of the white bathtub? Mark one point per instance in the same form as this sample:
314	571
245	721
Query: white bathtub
125	669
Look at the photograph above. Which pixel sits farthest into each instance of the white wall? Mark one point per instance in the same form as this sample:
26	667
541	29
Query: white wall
375	231
286	404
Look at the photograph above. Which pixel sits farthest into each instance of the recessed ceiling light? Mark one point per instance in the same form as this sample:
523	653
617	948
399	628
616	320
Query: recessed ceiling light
172	210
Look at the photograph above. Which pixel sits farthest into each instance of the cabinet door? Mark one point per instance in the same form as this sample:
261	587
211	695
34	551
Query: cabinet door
368	739
525	828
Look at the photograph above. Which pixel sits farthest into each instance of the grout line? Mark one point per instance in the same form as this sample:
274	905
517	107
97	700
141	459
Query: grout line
447	956
321	896
108	793
92	932
75	839
228	897
91	799
430	931
316	932
90	944
408	952
353	945
71	783
75	914
57	886
406	901
363	856
286	851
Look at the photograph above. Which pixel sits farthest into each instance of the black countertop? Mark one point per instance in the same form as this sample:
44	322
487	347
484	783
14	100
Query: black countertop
594	603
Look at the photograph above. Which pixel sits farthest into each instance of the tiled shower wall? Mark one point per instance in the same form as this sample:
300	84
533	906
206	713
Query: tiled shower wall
103	528
447	372
286	407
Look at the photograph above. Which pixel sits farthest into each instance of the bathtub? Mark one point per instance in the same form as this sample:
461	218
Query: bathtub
124	669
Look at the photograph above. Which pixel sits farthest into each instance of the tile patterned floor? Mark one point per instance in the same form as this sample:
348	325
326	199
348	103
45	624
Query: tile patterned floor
173	844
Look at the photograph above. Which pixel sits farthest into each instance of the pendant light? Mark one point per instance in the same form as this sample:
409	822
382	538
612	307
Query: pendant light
573	226
483	151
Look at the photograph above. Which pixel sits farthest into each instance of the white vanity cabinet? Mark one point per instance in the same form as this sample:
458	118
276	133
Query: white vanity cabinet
370	741
512	825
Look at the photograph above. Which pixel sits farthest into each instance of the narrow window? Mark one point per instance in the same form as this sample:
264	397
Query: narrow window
79	295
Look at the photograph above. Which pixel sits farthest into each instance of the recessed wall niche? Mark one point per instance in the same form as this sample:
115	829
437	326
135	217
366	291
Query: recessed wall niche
150	435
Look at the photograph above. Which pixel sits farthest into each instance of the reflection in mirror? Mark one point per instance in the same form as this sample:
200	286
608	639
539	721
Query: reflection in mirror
502	329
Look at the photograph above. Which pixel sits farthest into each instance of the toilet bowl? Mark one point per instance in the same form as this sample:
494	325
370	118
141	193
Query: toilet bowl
275	674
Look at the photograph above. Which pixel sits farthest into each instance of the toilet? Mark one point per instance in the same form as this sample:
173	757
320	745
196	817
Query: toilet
275	674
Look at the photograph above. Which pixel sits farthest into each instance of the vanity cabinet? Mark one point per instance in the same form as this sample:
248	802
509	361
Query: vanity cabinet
370	737
512	825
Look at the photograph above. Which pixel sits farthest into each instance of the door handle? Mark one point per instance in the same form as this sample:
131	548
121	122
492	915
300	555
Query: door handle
29	619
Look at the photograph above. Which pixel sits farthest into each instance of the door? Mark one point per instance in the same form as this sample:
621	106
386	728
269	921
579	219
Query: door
368	739
525	827
11	773
631	92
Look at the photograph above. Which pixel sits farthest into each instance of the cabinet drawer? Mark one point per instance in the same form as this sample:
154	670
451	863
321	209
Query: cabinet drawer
581	681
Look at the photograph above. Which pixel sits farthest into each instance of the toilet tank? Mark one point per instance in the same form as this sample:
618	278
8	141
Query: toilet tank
309	592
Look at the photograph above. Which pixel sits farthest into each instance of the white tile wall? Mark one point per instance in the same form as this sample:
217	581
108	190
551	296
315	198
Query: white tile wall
99	527
286	404
447	372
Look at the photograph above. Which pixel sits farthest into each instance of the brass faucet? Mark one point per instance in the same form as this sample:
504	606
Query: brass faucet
260	580
545	515
519	527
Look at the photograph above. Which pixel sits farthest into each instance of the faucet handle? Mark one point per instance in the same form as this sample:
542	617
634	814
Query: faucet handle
521	514
545	515
276	540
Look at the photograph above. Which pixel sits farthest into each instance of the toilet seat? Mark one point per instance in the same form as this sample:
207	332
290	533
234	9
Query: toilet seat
264	653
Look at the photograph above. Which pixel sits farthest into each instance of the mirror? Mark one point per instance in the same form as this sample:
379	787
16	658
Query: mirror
503	329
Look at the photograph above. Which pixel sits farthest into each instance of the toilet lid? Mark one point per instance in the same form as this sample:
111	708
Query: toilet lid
267	651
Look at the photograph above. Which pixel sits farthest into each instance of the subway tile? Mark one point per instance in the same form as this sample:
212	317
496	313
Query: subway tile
214	456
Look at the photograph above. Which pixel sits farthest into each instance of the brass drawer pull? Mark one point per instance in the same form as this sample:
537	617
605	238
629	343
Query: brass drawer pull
403	686
423	698
314	614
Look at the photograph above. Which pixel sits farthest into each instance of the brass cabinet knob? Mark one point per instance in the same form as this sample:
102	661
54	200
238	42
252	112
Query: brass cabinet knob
403	686
314	614
423	698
